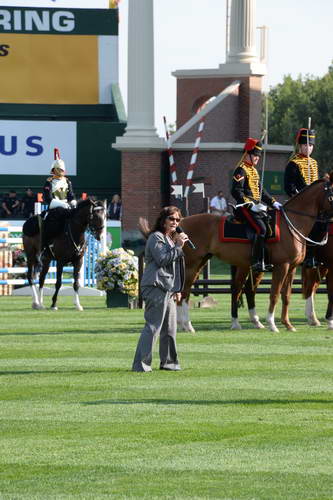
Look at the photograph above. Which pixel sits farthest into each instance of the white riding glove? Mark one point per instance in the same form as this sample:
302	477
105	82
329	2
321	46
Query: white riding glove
277	205
258	207
73	203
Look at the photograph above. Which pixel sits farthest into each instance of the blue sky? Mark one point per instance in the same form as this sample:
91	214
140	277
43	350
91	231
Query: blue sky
191	34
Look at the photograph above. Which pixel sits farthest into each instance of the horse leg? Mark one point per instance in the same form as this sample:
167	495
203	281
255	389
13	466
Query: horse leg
183	318
76	285
329	311
238	277
285	297
43	273
250	290
57	286
279	274
31	250
310	281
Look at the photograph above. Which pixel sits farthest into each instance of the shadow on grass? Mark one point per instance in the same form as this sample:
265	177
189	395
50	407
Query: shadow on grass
61	372
205	402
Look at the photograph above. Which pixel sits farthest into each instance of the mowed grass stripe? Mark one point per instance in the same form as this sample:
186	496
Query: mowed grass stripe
248	417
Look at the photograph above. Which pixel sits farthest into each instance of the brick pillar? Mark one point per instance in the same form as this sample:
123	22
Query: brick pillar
141	189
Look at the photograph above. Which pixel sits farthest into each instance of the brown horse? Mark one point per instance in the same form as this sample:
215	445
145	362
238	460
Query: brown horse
69	246
285	254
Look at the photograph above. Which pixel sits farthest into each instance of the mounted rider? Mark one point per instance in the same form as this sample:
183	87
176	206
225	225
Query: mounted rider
301	171
58	194
247	192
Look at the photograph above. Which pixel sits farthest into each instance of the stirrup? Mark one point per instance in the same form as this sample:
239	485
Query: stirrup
261	267
310	263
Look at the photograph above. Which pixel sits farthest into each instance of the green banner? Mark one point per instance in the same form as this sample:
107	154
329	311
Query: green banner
36	21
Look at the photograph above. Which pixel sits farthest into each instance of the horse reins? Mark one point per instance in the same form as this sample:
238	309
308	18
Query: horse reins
328	189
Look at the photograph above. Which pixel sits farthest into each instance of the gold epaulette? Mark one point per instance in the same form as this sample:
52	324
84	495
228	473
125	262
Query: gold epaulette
49	179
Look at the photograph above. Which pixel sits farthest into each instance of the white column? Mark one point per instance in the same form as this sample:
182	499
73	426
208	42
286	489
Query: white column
140	128
242	32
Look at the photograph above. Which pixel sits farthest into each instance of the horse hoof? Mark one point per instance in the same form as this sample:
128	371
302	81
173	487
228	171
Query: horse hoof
79	308
235	326
37	307
258	325
54	308
274	329
330	325
291	328
188	328
314	322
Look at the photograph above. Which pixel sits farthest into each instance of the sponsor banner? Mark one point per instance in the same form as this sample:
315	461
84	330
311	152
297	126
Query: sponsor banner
58	22
26	147
72	4
49	69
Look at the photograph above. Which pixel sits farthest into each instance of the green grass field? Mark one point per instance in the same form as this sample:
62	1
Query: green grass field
250	416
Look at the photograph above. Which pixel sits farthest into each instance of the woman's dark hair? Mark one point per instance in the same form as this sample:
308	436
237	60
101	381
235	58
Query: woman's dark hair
164	214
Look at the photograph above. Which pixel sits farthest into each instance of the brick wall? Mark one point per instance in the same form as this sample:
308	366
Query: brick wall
141	187
192	92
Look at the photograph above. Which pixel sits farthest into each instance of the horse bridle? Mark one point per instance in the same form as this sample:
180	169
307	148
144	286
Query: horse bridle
92	228
325	216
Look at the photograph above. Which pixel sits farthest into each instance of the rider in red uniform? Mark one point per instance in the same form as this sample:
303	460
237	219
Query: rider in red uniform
253	204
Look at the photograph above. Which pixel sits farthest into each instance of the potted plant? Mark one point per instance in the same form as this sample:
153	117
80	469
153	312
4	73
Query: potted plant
117	274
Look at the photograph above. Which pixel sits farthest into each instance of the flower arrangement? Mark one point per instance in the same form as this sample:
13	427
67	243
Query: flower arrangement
118	270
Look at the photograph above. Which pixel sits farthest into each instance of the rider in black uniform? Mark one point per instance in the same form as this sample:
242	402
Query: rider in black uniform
301	171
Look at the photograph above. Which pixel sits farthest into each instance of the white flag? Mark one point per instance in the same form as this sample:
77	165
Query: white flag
177	189
199	188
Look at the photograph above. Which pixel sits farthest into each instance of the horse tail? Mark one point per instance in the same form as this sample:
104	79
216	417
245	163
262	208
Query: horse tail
144	227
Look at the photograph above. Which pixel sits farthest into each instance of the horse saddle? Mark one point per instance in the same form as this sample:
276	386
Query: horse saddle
232	229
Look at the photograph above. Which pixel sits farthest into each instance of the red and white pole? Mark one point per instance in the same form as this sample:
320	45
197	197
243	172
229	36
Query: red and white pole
172	164
194	158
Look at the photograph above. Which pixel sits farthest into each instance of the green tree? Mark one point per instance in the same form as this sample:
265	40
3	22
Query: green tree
291	103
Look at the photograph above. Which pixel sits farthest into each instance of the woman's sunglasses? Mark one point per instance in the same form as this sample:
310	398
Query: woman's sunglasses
173	219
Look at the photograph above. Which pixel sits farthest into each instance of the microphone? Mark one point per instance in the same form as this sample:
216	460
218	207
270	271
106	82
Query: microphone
190	243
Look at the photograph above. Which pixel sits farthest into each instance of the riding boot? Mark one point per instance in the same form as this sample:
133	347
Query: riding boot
258	255
310	260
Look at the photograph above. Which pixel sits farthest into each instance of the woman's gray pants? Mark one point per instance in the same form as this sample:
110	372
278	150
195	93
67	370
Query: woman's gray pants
161	319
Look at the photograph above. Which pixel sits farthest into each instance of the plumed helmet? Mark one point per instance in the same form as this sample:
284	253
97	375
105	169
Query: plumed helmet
58	162
302	136
253	147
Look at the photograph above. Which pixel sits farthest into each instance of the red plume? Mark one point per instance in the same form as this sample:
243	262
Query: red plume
56	154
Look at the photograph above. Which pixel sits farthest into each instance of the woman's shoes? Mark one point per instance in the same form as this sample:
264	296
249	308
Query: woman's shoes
175	367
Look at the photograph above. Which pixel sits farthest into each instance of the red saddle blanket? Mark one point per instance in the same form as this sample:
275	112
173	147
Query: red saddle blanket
330	229
232	232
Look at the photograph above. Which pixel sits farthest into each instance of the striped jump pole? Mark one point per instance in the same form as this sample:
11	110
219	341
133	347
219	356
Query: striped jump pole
193	158
173	172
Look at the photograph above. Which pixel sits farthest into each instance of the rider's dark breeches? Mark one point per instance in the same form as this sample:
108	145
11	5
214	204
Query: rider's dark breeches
255	221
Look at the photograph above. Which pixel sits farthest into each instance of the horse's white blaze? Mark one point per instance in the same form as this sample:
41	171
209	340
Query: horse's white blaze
271	322
255	318
310	312
183	318
235	324
77	302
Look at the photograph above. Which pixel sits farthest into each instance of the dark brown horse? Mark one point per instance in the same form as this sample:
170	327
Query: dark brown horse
299	214
68	247
311	281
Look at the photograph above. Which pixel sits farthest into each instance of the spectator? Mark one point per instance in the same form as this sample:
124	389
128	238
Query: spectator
114	210
218	204
11	204
28	203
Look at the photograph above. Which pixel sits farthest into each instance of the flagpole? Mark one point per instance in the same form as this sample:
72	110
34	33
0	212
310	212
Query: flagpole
308	146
